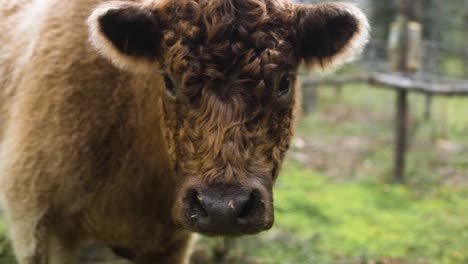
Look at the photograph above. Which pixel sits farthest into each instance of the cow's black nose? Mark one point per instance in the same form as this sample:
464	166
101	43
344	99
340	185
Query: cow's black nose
225	210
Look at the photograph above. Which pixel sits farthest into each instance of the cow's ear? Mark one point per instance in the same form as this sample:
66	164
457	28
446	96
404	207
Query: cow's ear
330	34
127	33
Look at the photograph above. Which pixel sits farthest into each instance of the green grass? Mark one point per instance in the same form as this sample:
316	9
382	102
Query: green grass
6	255
355	220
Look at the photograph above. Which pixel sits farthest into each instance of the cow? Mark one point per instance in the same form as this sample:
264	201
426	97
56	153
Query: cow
139	123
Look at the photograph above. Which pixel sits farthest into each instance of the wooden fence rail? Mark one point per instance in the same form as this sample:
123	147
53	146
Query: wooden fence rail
392	81
402	85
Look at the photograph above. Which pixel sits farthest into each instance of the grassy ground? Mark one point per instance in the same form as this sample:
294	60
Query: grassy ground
5	250
334	202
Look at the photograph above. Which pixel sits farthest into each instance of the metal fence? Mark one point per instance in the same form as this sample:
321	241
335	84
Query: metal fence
445	37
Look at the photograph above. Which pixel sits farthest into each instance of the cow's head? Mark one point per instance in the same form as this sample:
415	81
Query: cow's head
228	68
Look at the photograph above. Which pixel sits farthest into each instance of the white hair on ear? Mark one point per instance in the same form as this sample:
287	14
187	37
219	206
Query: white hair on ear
102	44
353	48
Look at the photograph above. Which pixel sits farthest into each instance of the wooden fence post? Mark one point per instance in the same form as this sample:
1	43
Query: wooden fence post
408	9
401	135
401	97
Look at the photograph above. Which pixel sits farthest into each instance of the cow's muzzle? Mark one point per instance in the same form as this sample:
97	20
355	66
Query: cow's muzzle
226	210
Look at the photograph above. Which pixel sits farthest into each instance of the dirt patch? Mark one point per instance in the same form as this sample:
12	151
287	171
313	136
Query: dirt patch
342	159
350	158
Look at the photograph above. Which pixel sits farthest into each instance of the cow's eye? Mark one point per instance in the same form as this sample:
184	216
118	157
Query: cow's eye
170	87
284	86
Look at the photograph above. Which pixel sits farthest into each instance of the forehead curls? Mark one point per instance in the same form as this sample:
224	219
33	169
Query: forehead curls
206	40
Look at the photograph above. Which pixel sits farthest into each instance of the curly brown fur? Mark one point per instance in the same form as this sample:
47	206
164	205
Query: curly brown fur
228	59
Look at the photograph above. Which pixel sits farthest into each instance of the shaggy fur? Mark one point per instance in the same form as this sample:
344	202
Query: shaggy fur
104	128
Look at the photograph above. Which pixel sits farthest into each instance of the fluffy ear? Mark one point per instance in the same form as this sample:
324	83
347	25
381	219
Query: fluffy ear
330	34
126	33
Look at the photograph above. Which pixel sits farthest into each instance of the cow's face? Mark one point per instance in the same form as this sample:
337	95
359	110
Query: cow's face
228	68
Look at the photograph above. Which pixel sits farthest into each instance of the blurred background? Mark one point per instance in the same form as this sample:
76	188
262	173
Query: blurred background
378	170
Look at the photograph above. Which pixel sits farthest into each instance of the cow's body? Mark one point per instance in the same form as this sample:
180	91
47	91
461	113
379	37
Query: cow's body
84	147
78	128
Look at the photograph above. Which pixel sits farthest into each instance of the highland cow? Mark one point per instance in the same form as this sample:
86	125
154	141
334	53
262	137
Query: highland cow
137	123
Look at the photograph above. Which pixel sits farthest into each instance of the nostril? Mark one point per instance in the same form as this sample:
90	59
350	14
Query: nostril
195	206
250	206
